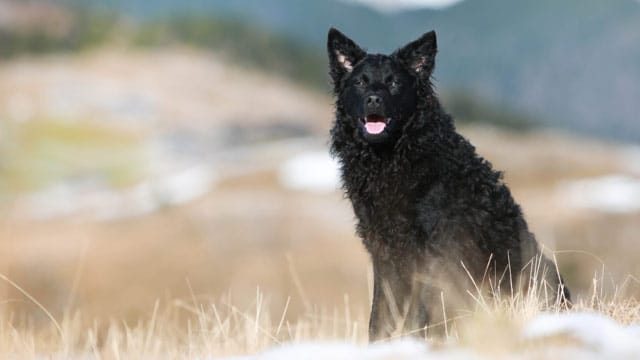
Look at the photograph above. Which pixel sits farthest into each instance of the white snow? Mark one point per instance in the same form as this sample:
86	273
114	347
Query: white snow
590	335
401	5
184	186
100	203
339	351
313	171
592	331
406	349
630	158
617	193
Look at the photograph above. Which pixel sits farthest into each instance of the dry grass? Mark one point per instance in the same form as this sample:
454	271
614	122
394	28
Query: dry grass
192	328
182	328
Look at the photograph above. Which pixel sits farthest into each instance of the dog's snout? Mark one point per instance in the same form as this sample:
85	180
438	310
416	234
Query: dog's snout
373	102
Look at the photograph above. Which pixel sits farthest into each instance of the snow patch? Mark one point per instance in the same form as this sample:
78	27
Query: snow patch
590	335
617	193
407	349
337	351
630	157
313	171
94	200
390	6
594	331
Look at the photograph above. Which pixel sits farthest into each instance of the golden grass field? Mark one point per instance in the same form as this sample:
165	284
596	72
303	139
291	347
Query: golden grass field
252	264
196	328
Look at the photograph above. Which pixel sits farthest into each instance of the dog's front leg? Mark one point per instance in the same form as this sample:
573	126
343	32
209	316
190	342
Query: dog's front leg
396	309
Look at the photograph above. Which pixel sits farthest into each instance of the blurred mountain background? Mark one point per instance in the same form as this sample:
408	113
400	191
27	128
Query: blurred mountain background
178	149
552	65
555	62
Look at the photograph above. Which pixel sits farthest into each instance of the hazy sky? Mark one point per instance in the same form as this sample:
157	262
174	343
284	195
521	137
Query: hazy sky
395	5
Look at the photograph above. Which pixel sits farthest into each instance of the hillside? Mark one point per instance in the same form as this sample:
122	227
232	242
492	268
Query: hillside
572	64
152	209
163	152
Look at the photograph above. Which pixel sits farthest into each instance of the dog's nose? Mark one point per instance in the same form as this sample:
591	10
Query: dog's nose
373	103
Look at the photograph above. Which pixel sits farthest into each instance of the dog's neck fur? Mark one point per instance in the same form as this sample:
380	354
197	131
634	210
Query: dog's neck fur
433	150
428	154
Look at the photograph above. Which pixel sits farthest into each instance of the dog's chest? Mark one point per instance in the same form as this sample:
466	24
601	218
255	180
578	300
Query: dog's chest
385	204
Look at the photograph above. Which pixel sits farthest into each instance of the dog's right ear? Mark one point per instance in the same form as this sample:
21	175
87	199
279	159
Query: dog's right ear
343	54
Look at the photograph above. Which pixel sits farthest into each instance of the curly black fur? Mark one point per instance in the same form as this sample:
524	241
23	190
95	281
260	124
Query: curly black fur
431	212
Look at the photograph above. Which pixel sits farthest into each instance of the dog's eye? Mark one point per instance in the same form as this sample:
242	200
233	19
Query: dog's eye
394	84
359	83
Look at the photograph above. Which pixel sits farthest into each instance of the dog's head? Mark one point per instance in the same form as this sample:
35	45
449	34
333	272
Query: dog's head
379	93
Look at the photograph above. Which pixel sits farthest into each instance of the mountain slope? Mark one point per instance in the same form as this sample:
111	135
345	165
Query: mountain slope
573	63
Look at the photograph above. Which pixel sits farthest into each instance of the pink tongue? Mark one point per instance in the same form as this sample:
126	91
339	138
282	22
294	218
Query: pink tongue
375	127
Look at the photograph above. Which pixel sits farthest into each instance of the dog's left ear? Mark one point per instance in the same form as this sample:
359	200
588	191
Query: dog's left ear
344	53
419	56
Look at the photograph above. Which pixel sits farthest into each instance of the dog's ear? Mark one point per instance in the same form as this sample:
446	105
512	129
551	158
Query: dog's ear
343	54
419	55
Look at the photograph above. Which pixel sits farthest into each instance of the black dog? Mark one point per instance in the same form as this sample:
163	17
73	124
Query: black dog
435	217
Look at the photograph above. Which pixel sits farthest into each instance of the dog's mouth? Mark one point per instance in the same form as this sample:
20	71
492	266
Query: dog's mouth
375	124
